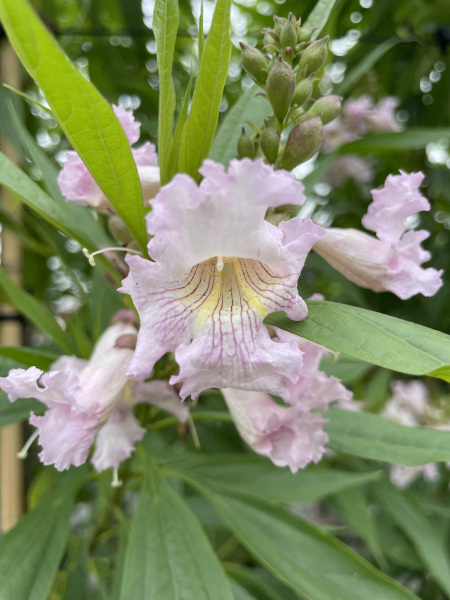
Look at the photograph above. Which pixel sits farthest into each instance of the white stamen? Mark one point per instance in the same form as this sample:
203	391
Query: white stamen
24	452
116	482
90	255
219	263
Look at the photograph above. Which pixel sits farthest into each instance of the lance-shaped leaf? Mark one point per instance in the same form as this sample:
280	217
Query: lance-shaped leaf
165	26
413	139
373	337
370	436
34	310
200	127
168	556
83	114
30	554
318	17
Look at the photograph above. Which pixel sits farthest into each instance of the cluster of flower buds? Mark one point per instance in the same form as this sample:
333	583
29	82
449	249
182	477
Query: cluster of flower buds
287	75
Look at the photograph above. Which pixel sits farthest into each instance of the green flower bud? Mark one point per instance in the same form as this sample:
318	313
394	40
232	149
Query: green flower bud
270	142
279	24
303	142
119	230
314	56
306	34
280	87
328	107
245	146
254	63
271	41
303	90
289	33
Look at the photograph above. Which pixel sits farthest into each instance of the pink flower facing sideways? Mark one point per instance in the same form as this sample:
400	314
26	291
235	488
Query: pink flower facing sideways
290	436
219	268
90	401
393	261
77	184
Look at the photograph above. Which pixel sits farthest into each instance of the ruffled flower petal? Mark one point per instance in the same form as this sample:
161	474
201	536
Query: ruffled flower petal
65	438
397	200
285	435
56	386
116	439
313	389
131	127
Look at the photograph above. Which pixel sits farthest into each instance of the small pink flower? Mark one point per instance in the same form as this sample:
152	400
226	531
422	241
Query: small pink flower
77	184
393	262
219	268
90	401
347	167
382	117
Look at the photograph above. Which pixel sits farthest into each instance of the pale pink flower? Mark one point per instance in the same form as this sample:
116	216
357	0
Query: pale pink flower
219	268
286	435
408	404
382	117
77	184
393	262
347	167
89	401
402	476
355	114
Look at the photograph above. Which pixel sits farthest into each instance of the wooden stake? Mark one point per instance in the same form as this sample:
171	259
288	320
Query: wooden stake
11	468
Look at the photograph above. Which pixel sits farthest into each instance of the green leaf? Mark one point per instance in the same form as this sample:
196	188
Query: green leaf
345	368
365	65
200	127
29	357
30	554
376	338
83	114
165	26
13	412
370	436
34	311
412	139
260	478
169	556
249	107
318	17
72	220
425	537
175	150
309	560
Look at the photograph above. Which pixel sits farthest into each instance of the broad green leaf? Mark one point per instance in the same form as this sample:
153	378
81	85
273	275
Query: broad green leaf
318	17
83	114
72	220
29	357
30	554
414	522
365	65
34	311
239	592
376	338
249	107
13	412
370	436
169	556
308	559
345	368
411	139
261	478
200	127
165	26
259	583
